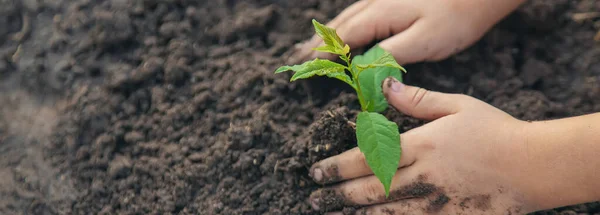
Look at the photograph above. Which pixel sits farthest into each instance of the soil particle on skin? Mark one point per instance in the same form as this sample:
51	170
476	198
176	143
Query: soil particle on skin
481	202
329	199
437	204
465	203
514	210
388	211
418	189
349	211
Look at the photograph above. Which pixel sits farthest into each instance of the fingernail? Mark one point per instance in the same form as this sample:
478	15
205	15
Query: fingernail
317	174
395	85
315	203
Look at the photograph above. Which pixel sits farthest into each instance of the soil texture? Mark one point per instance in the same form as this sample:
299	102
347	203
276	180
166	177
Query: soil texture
172	107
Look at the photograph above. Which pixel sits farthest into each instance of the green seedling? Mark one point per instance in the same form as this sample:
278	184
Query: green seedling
377	137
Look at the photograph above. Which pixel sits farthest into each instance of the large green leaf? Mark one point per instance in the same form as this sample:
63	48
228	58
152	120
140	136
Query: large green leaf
372	76
333	42
318	67
379	140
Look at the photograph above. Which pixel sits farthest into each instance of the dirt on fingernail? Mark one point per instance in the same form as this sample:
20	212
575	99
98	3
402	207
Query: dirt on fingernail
330	174
390	80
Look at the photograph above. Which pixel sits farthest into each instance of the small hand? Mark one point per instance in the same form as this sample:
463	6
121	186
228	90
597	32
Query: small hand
466	160
417	30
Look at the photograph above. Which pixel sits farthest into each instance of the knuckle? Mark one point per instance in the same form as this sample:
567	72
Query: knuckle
427	144
419	95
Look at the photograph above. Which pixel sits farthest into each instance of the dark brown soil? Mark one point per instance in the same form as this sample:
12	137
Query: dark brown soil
164	107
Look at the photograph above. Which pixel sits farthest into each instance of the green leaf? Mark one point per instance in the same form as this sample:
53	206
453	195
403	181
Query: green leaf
371	79
379	140
385	60
326	48
318	67
331	39
342	76
346	49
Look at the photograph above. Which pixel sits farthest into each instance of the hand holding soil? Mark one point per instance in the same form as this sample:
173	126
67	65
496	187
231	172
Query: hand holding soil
472	158
414	31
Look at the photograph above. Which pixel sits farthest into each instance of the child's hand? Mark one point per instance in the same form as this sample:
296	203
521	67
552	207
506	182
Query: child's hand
418	30
467	160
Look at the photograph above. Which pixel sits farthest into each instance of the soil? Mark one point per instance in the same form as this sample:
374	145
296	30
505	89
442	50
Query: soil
172	107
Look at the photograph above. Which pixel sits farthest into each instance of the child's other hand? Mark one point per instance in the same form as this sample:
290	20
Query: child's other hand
414	30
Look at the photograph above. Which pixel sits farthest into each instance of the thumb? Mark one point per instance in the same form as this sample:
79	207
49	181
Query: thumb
422	103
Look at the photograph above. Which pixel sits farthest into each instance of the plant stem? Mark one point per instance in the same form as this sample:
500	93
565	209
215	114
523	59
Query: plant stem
361	98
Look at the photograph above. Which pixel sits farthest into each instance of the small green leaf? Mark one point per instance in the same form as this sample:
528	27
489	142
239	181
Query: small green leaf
328	49
318	67
371	79
342	76
283	69
385	60
379	140
331	39
346	49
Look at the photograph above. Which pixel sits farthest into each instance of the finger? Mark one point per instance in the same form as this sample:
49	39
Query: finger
422	103
305	49
353	164
411	45
409	206
349	12
406	183
377	21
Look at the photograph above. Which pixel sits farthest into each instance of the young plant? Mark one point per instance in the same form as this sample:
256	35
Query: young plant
377	137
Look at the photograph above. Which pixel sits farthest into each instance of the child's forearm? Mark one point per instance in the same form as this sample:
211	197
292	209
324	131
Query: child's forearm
562	161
